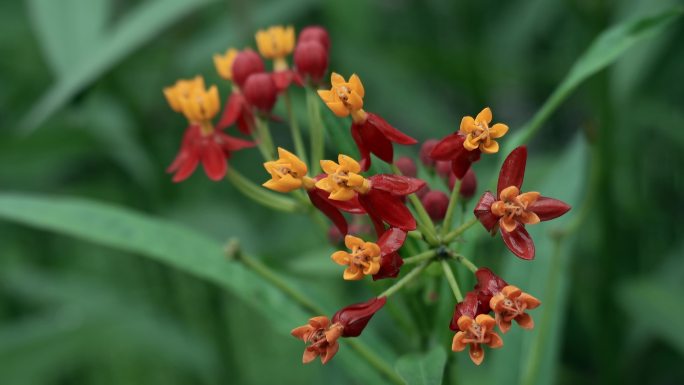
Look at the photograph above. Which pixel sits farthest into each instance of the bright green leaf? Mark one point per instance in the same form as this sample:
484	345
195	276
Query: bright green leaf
422	369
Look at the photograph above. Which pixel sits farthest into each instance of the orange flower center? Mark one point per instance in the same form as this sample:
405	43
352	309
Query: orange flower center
361	257
512	308
476	334
513	208
343	93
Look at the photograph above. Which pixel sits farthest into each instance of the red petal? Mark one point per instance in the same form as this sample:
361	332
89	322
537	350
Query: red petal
231	111
351	206
463	160
388	208
519	242
376	142
330	211
187	167
483	211
549	208
488	282
469	306
513	169
446	148
388	131
396	184
355	317
365	161
214	161
391	240
390	265
245	122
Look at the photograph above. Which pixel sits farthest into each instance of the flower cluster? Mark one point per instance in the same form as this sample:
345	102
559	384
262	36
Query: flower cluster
399	206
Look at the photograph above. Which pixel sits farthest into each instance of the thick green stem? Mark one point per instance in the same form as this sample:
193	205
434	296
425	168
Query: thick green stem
264	139
453	201
259	194
465	262
452	280
405	279
426	255
458	231
294	127
316	129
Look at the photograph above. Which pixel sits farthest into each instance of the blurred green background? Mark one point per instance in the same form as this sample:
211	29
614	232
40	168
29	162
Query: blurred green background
82	115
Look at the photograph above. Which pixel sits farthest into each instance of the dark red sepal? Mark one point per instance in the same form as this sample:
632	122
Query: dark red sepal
470	306
513	170
390	264
447	148
388	131
375	135
519	242
388	208
364	152
319	199
548	208
488	283
237	110
396	184
483	211
354	318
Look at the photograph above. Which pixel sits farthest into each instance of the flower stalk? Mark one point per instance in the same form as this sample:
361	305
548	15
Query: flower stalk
294	127
260	195
316	130
450	237
264	139
405	279
449	274
453	202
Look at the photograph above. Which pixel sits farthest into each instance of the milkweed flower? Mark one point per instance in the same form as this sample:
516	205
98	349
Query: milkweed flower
276	43
380	195
201	141
381	259
371	133
474	333
238	67
289	173
181	90
513	209
321	334
474	137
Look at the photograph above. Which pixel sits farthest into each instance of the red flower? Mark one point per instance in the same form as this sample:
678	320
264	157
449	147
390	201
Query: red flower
332	208
321	338
354	318
212	149
514	210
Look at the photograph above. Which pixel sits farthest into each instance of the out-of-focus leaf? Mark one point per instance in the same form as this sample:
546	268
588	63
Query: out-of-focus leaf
66	36
605	49
134	30
422	369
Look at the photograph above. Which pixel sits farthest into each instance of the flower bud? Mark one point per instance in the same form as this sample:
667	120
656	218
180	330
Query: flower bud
311	59
425	150
443	168
407	166
260	91
315	33
354	318
246	63
468	184
436	203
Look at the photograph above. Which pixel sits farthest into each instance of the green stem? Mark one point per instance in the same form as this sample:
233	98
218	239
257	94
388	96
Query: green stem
426	255
405	279
259	194
426	227
269	275
317	131
294	127
452	280
415	234
264	139
465	262
453	201
458	231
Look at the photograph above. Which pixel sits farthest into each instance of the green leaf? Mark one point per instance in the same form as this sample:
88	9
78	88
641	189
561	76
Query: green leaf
605	50
422	369
129	34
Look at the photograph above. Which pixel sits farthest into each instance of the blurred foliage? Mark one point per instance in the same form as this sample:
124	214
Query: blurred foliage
82	115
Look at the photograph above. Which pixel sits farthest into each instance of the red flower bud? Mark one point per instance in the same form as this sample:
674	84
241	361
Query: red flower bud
260	91
436	203
443	168
315	33
246	63
407	166
468	184
311	59
425	151
354	318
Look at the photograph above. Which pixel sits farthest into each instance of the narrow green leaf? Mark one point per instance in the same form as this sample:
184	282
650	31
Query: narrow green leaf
605	50
422	369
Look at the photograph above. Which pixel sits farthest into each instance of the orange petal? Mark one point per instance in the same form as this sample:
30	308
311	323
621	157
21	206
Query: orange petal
309	355
352	273
320	322
301	332
476	353
338	108
330	352
343	194
340	257
372	249
509	193
325	184
326	95
507	223
457	343
528	218
471	143
486	321
498	130
464	322
484	116
496	301
355	101
525	321
356	85
329	167
332	334
495	341
489	146
349	163
351	242
504	325
355	180
530	301
467	125
528	197
372	268
336	79
511	291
